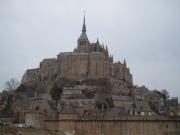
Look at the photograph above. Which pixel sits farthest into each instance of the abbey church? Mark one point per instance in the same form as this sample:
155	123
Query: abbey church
87	61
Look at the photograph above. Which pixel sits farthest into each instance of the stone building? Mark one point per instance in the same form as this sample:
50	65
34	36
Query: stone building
143	108
34	110
157	101
71	92
34	119
81	105
140	93
121	101
87	61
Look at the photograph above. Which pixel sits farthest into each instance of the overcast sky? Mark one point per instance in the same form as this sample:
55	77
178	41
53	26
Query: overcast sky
144	32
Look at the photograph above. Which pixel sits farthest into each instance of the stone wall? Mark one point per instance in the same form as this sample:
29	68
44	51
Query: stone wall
118	127
73	66
34	119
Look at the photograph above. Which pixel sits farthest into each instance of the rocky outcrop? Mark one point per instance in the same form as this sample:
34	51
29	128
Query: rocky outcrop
48	69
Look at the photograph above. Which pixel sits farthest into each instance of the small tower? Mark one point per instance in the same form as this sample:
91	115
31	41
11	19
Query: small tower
97	42
112	59
124	62
106	52
83	42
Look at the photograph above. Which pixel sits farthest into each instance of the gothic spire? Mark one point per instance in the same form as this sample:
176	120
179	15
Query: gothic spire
84	24
83	36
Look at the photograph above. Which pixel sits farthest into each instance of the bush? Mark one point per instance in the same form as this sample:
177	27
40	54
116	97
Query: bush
88	93
7	112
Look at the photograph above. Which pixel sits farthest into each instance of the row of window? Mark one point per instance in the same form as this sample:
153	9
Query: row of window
30	107
82	43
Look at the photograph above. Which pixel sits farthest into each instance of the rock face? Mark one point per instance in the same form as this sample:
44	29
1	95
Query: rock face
87	61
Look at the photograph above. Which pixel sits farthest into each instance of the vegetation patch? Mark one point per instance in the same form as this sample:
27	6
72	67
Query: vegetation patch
7	111
7	129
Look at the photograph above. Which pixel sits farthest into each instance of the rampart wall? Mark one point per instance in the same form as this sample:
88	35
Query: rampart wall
117	127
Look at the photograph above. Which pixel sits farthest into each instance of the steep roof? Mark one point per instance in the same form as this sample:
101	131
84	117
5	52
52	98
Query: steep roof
83	36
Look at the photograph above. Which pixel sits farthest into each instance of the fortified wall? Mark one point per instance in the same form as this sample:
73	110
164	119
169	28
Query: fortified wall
136	126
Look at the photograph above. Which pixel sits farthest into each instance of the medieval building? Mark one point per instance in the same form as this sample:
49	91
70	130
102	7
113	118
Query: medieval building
87	61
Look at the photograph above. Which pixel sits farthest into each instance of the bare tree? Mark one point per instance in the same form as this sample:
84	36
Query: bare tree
12	84
56	92
165	93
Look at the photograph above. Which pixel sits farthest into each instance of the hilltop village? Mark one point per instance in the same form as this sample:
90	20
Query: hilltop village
83	84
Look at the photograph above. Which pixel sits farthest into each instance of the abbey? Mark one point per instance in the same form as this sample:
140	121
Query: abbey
87	61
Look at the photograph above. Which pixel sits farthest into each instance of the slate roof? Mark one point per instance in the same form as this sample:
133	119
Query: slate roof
121	98
83	36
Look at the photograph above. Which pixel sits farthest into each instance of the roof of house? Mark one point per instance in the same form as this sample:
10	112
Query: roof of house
121	98
155	93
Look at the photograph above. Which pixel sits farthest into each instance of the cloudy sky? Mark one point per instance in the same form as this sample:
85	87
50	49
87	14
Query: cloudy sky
144	32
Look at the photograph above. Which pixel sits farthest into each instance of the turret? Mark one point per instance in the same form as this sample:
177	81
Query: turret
124	62
112	59
107	52
97	42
